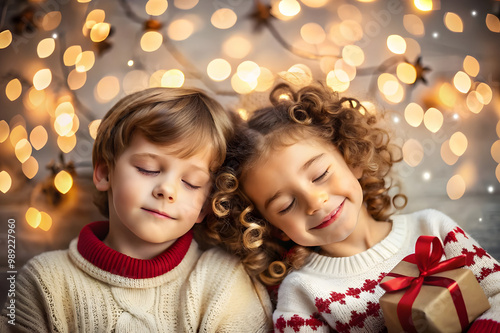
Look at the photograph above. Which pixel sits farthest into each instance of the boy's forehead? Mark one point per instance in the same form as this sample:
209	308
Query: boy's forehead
199	157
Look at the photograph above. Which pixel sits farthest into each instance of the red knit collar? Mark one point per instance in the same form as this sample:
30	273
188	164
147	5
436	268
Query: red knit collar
92	248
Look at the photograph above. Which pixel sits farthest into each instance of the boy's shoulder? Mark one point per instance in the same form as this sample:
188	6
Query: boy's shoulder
214	256
49	259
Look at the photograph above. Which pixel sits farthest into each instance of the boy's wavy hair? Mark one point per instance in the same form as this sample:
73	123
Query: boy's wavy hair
311	111
165	116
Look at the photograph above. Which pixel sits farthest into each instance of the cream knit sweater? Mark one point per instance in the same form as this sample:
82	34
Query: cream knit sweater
343	293
62	291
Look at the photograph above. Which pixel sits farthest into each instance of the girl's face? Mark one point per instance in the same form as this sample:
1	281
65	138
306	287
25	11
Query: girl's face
307	191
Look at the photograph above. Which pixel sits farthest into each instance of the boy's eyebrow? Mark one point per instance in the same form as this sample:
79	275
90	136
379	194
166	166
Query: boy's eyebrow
302	168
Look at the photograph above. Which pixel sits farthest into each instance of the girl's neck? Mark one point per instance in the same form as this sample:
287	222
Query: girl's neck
367	233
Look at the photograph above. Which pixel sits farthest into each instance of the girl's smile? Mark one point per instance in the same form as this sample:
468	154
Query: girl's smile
331	217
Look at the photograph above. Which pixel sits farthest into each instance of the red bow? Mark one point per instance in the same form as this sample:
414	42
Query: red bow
428	252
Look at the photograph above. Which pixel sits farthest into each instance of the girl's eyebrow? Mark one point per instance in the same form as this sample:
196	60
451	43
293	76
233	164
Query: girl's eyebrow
302	168
311	161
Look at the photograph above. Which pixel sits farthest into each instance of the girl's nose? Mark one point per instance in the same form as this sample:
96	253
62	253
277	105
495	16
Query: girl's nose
165	190
316	201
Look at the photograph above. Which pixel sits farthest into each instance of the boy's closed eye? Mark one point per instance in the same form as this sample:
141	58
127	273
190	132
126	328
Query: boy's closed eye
148	172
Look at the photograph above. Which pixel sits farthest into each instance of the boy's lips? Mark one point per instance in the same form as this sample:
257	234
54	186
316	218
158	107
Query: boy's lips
158	213
330	218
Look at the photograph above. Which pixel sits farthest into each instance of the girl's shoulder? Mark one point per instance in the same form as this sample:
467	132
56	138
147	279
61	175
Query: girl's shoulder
426	221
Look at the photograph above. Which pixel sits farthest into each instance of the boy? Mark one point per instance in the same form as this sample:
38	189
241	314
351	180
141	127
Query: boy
141	271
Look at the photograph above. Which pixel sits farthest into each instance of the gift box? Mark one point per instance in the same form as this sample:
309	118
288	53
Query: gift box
426	295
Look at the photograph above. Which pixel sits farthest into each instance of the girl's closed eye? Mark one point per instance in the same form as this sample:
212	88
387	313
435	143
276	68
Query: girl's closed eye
288	208
323	175
148	172
191	186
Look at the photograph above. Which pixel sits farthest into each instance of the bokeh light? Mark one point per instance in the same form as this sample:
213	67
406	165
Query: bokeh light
5	39
38	137
13	89
42	79
414	25
85	61
289	7
156	7
237	47
248	71
173	78
455	188
45	221
5	181
76	79
71	54
63	181
312	33
493	23
151	41
51	20
185	4
265	81
462	82
471	66
453	22
180	29
100	32
447	155
30	167
219	69
474	102
495	151
223	18
353	55
93	126
458	143
413	152
23	150
406	73
46	47
433	119
33	217
242	87
335	83
107	88
396	44
66	143
414	114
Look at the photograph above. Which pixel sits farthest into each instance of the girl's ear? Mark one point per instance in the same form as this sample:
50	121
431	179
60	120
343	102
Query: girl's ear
101	176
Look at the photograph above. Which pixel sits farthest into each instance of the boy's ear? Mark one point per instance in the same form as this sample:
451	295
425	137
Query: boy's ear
101	176
204	211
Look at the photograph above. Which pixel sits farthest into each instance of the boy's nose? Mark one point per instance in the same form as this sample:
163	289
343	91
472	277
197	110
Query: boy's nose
165	191
316	201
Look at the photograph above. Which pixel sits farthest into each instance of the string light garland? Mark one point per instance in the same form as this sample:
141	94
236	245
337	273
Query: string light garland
334	53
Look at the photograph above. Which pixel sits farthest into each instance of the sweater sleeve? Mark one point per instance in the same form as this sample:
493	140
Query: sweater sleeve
486	269
28	311
296	310
220	297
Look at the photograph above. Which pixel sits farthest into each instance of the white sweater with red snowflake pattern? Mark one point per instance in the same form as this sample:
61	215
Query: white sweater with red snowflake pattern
343	293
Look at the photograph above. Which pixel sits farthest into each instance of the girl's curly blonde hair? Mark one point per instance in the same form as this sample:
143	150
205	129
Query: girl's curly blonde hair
311	111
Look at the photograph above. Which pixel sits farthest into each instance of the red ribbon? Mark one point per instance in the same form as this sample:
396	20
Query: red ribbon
428	252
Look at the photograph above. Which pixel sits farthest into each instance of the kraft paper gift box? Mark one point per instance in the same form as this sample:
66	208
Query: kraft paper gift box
425	295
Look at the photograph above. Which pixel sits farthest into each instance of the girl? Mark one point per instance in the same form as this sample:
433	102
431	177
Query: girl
306	201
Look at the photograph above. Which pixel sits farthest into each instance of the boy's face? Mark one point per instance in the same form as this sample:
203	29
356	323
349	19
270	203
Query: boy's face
156	197
308	191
